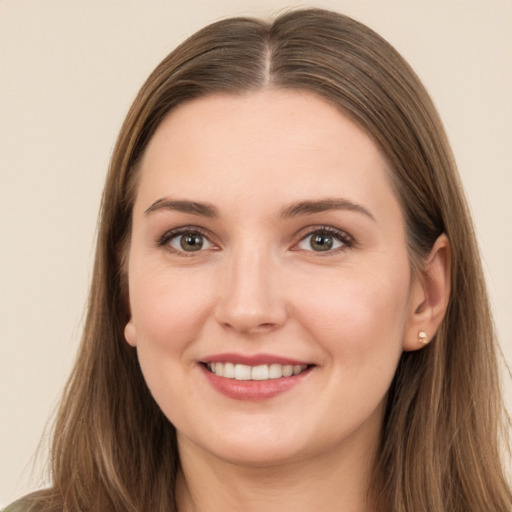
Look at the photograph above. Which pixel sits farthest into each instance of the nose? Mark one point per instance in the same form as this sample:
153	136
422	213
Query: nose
251	296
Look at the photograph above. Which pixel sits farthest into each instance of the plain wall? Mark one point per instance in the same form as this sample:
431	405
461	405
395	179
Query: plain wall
68	73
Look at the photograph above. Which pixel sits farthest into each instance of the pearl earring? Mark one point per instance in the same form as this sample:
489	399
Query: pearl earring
422	337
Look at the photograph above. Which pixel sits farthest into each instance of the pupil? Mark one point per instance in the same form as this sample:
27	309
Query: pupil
191	242
321	242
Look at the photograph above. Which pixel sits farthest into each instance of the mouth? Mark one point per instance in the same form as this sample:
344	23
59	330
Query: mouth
254	378
261	372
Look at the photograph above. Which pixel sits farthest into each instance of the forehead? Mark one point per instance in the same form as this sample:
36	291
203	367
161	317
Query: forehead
259	143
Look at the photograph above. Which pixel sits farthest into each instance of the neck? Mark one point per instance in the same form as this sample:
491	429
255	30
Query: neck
330	482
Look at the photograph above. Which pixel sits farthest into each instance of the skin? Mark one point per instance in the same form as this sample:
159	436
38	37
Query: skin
258	285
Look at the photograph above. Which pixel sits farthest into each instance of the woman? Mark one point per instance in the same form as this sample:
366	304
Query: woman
288	309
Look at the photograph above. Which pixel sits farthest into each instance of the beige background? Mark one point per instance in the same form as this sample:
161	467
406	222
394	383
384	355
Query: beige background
68	72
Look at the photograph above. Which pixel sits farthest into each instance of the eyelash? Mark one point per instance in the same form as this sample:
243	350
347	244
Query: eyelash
344	238
168	236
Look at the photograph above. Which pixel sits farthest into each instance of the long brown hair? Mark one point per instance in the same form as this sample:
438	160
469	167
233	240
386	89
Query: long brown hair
113	449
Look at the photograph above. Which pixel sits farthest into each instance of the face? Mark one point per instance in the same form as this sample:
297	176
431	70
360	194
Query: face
269	279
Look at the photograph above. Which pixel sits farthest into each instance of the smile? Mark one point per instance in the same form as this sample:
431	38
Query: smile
260	372
254	378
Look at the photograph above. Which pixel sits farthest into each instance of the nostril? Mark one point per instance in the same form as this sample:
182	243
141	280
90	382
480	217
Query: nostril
267	325
248	327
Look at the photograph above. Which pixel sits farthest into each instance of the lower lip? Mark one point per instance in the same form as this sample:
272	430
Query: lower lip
253	389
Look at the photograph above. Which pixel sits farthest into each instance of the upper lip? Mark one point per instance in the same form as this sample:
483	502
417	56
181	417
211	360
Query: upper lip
252	360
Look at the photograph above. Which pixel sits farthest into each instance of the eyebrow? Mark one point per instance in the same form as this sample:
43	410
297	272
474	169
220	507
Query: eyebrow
296	209
311	207
202	209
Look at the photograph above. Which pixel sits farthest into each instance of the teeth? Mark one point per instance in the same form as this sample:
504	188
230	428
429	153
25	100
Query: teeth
229	370
242	372
260	372
287	370
275	371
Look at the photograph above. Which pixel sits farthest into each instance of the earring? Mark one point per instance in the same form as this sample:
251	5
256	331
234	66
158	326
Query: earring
422	337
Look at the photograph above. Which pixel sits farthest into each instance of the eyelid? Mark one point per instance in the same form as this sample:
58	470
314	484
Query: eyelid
345	238
183	230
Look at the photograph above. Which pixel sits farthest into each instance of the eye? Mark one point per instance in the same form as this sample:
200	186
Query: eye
186	241
324	240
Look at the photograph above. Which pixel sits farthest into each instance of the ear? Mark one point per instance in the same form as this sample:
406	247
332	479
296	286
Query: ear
130	333
430	293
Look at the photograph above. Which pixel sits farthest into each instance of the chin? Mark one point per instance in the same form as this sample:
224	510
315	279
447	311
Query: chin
257	455
254	447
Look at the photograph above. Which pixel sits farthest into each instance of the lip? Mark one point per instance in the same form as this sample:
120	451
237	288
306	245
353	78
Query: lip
253	360
253	390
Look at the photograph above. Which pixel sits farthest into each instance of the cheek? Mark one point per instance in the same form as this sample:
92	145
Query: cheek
168	311
168	306
358	317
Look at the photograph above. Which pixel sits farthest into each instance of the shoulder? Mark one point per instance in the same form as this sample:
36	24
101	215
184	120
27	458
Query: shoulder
35	502
17	506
